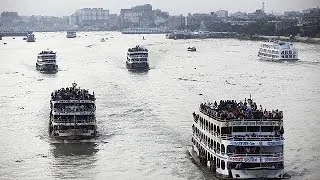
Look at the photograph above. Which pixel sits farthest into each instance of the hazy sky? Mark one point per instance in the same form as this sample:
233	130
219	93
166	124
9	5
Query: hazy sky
174	7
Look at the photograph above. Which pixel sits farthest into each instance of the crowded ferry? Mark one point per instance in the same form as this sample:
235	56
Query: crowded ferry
239	140
137	58
72	114
46	61
277	51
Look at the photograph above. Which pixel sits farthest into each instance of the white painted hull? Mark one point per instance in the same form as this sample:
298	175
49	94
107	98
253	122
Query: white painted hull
253	174
276	59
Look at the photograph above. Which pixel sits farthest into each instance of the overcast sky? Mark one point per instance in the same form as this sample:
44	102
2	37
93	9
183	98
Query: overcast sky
174	7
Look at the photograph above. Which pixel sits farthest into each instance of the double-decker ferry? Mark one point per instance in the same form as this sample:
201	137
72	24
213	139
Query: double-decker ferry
137	58
46	61
72	114
239	140
277	51
71	34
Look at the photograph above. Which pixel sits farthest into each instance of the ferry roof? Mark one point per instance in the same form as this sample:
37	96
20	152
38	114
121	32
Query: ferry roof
47	52
72	93
229	110
137	48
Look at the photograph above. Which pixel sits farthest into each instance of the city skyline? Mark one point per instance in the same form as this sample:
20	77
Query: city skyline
65	8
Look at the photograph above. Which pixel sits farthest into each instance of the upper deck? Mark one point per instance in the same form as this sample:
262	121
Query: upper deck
72	95
277	45
232	111
137	49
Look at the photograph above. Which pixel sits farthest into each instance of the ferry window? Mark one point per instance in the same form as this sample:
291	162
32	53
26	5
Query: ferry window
222	149
218	130
253	129
266	128
214	145
218	162
225	130
214	128
286	56
223	165
239	129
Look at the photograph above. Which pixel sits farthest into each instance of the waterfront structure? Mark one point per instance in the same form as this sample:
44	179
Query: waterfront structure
277	51
72	114
46	61
71	34
14	32
239	140
145	31
137	58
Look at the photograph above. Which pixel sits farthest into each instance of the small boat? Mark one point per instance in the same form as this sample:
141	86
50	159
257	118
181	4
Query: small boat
143	38
25	38
192	48
102	40
71	34
31	38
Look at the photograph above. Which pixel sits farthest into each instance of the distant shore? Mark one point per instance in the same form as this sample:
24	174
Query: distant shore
282	38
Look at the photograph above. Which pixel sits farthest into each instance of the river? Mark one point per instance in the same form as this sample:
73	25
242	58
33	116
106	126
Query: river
144	119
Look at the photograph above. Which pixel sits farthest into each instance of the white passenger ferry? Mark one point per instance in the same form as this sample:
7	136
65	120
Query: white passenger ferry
72	113
239	140
277	51
71	34
137	58
46	61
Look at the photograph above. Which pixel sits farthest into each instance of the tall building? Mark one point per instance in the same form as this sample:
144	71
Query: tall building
142	16
90	17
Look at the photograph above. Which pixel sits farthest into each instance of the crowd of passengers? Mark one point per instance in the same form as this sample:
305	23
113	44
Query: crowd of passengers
231	109
72	93
79	108
137	48
47	52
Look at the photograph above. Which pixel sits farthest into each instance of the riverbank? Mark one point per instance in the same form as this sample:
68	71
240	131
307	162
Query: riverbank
282	38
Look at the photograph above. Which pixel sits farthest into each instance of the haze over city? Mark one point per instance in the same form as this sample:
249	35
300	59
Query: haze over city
67	7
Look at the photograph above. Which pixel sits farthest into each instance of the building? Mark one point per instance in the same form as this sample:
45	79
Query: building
142	16
90	17
311	23
239	15
176	22
222	13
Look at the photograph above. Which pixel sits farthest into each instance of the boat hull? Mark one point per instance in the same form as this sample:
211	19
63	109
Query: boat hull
73	134
137	66
243	174
47	67
277	59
